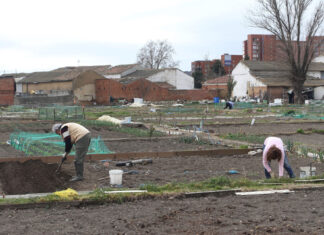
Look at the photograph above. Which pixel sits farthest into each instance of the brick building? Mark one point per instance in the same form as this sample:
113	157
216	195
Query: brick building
7	90
230	61
262	47
108	90
205	66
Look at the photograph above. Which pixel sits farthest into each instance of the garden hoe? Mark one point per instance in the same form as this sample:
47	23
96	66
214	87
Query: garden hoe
59	167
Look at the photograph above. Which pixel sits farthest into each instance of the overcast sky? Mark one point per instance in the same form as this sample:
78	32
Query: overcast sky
40	35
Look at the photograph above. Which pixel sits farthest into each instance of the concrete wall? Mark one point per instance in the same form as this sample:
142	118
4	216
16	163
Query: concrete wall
43	100
84	89
257	91
241	74
319	93
175	77
47	86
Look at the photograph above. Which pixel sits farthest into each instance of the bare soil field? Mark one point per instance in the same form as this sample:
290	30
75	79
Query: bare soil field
265	128
301	212
160	172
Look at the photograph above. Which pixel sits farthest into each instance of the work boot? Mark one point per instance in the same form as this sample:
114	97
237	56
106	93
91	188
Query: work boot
76	178
79	172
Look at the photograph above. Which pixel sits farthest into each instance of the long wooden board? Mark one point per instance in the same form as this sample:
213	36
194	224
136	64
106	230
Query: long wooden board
136	155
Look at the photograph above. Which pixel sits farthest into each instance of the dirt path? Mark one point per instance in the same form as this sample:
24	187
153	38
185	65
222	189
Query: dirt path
301	212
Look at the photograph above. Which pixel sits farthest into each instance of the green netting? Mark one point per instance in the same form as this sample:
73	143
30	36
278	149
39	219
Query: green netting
36	144
61	113
15	108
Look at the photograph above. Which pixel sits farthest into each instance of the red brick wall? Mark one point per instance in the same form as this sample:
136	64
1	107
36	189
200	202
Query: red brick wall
7	91
275	92
147	90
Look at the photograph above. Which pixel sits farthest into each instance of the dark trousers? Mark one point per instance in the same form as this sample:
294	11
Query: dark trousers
228	105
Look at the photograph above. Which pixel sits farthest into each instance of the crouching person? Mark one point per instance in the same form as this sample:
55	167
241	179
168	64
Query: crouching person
273	149
73	133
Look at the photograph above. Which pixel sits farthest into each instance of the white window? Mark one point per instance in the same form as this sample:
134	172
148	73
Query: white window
322	74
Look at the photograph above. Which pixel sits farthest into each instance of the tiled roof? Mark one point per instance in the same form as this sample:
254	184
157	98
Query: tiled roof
138	74
278	74
62	74
120	69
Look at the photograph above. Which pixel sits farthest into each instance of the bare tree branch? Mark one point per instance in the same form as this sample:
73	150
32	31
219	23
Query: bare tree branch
156	55
286	19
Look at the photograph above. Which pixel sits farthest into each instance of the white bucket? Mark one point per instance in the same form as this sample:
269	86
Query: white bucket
116	177
128	119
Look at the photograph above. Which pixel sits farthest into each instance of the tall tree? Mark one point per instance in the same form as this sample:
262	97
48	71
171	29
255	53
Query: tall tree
230	86
198	78
157	55
288	21
218	68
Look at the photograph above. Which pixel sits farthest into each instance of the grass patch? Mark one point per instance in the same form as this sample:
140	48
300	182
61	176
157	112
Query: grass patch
318	131
193	140
213	184
246	138
300	131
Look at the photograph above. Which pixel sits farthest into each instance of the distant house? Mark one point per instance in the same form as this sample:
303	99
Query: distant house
83	87
122	70
151	85
269	79
55	86
172	76
7	90
56	82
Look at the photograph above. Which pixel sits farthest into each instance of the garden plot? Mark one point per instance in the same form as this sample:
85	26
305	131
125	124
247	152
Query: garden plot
263	128
301	212
162	171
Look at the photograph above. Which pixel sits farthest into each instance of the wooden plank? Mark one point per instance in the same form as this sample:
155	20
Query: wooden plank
263	192
136	155
126	191
309	181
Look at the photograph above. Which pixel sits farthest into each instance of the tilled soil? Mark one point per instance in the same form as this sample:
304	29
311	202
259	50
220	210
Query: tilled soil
301	212
264	128
32	176
160	172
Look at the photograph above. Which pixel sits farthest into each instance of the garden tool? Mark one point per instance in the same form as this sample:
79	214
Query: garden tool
62	160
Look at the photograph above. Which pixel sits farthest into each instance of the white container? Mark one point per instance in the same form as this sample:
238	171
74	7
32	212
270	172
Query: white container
128	120
138	100
306	171
116	177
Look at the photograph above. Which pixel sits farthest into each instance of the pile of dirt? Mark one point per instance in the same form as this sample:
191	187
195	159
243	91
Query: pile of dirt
32	176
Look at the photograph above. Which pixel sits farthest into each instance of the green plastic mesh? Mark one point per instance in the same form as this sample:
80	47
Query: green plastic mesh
36	144
61	113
